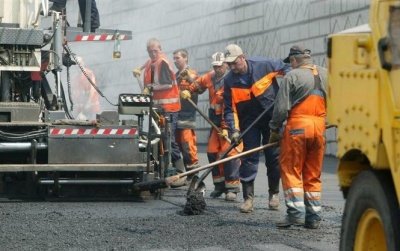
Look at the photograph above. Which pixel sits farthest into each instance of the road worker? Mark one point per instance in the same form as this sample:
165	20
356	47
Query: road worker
225	176
85	98
59	5
301	103
250	88
165	95
185	134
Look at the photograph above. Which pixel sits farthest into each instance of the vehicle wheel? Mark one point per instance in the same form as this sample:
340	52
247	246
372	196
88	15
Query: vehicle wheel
371	218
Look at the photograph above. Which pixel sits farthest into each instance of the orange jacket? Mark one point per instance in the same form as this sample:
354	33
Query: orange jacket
84	96
163	75
215	91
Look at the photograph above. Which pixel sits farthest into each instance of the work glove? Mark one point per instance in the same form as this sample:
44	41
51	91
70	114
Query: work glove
224	133
146	91
274	137
235	138
185	75
137	72
185	94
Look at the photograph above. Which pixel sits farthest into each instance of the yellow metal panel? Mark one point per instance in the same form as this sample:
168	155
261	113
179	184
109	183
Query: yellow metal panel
353	95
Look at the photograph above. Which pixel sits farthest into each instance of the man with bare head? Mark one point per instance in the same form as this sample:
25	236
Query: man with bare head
185	134
161	80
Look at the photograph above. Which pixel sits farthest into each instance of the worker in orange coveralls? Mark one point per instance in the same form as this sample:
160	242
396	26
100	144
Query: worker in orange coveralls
185	134
301	102
225	176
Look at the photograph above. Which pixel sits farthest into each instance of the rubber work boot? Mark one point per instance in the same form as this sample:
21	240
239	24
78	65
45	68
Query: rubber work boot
288	221
230	196
248	196
216	193
180	168
273	201
273	189
57	7
190	176
312	224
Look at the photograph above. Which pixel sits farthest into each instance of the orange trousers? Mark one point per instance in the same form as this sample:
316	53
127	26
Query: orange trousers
225	176
301	156
186	140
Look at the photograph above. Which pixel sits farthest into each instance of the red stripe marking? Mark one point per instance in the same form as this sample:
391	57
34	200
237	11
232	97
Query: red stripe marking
101	38
68	131
81	131
55	131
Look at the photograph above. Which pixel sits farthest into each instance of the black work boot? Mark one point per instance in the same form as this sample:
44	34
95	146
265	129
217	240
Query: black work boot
219	189
248	196
189	168
57	7
273	200
180	168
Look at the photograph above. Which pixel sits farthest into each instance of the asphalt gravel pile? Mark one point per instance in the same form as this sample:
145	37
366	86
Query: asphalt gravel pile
195	203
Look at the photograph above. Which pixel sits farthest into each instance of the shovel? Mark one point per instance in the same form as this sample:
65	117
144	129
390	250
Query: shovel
164	183
205	174
139	82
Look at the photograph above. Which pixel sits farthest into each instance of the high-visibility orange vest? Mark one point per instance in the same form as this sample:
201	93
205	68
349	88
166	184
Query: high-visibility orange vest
82	90
168	99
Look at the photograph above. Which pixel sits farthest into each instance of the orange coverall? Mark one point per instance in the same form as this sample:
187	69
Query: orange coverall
303	141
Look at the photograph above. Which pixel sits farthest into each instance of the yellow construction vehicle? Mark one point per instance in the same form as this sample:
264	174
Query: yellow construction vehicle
364	103
43	149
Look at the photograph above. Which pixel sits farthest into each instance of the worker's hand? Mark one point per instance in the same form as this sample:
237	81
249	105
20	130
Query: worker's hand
235	138
146	91
219	96
184	74
185	94
274	137
224	133
137	72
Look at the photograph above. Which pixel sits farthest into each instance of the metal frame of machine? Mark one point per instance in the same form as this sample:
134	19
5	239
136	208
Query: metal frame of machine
42	149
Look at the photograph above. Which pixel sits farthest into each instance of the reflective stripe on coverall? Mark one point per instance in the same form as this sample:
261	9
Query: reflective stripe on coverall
185	134
301	172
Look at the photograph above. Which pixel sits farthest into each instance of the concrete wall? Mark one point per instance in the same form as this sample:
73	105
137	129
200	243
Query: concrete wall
261	27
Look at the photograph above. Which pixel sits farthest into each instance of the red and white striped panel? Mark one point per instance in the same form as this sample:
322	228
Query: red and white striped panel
103	37
95	131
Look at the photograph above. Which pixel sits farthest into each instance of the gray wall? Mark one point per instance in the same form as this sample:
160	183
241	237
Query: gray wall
261	27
